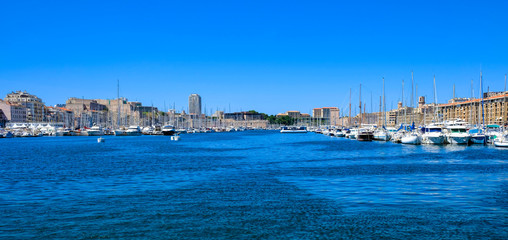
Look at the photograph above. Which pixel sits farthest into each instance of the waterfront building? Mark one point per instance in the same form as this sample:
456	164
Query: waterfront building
60	115
243	116
87	112
195	104
13	112
330	115
34	105
3	119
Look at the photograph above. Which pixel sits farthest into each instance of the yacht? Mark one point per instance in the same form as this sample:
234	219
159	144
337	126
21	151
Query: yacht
457	135
168	130
433	134
382	134
501	141
492	132
364	135
133	131
339	133
412	138
478	136
95	131
290	129
353	133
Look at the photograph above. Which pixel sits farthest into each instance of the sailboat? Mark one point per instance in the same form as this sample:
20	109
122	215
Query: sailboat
433	133
412	137
381	134
363	134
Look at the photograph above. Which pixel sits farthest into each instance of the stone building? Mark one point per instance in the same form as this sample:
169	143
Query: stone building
13	112
87	112
60	115
34	105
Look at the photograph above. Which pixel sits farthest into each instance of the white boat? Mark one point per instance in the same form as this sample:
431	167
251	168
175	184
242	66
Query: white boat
457	135
133	131
101	140
95	131
478	136
168	130
339	133
353	133
433	134
293	129
501	141
382	134
412	138
492	132
175	138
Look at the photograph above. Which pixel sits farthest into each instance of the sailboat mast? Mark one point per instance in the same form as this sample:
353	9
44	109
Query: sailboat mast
384	103
435	100
349	118
481	91
405	110
360	105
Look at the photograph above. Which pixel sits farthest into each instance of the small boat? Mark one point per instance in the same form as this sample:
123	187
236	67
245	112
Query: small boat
365	135
175	138
381	134
501	141
412	138
290	129
101	140
168	130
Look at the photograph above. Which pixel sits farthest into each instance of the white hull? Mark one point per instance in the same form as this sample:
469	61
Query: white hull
413	140
501	144
458	139
435	140
381	137
293	131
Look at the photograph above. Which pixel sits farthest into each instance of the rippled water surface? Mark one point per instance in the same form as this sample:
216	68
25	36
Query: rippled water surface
254	184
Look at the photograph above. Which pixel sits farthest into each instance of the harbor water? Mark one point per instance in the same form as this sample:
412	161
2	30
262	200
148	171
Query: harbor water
249	185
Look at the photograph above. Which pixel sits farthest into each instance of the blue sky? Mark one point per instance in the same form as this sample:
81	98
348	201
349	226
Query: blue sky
271	56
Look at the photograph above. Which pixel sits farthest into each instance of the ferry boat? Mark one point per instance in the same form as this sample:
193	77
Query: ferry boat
291	129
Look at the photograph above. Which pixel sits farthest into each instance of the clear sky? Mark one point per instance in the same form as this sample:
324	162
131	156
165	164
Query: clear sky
271	56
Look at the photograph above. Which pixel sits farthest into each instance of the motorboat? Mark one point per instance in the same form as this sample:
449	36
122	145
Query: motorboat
293	129
478	136
412	138
95	131
101	140
501	141
133	131
492	132
381	134
364	135
353	133
457	135
168	130
339	133
433	134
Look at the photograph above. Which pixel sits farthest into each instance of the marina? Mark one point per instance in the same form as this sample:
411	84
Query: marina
250	184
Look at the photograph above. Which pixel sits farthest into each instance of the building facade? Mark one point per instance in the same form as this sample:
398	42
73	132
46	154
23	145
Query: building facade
195	104
13	112
34	105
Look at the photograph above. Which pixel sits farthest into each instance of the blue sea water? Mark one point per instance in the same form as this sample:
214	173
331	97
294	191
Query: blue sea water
249	185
